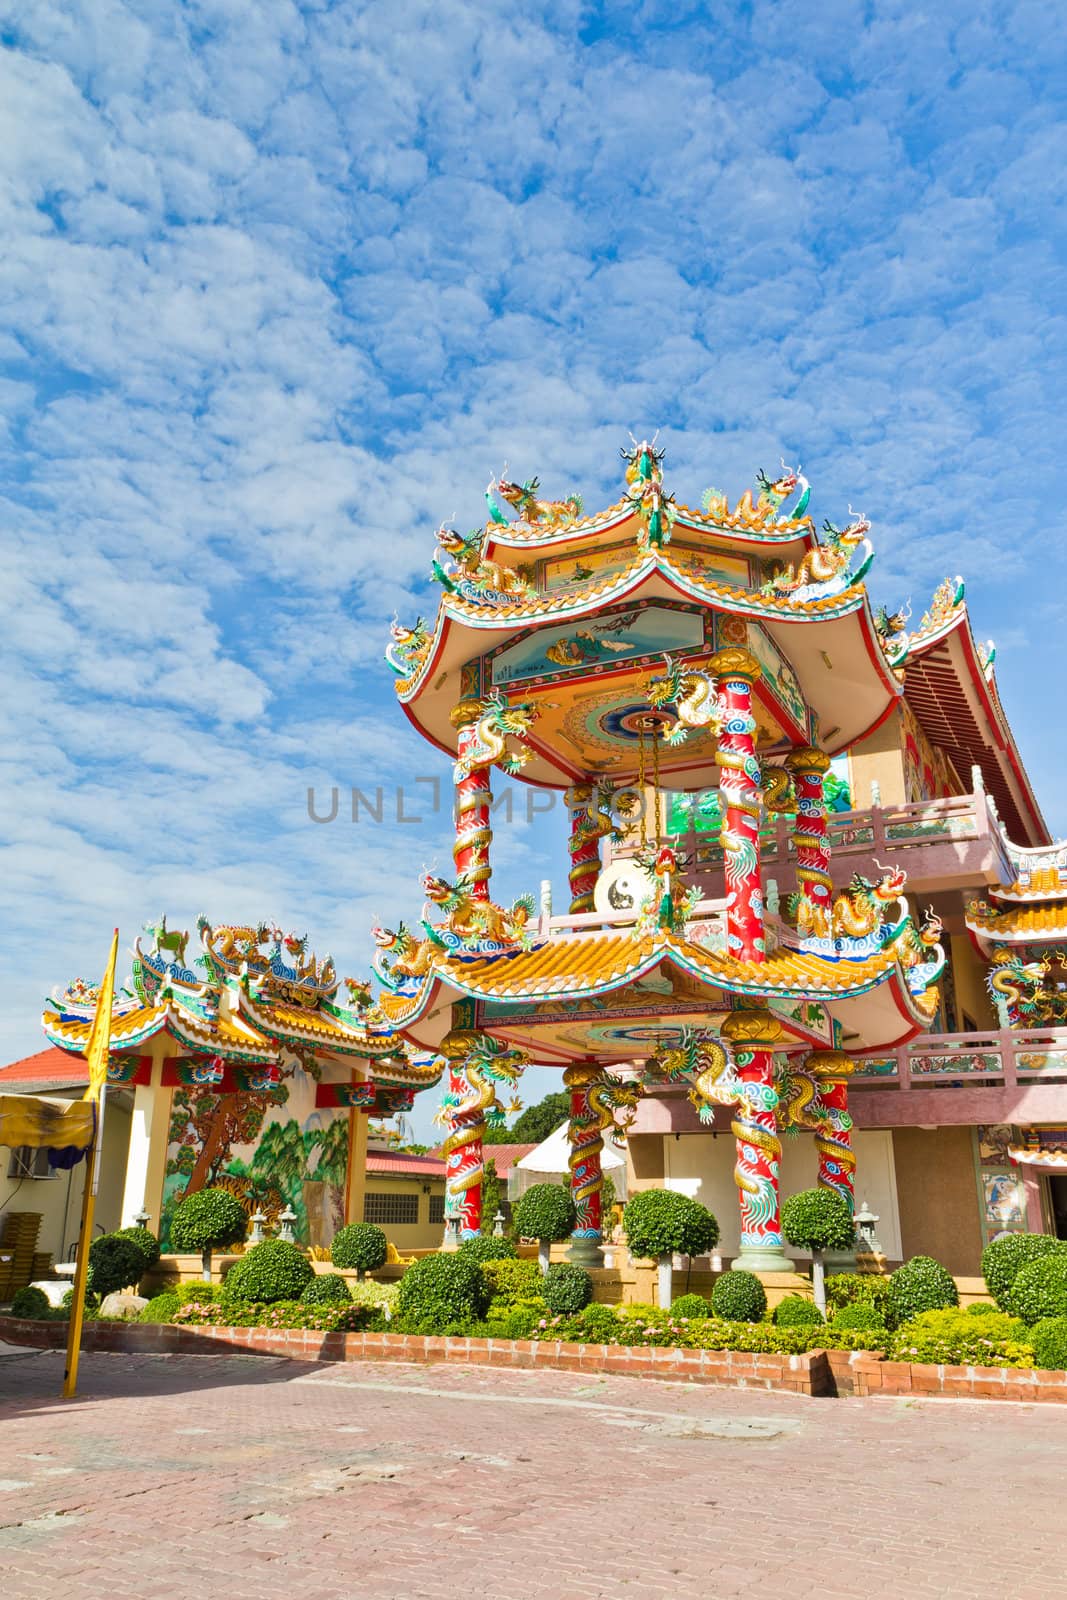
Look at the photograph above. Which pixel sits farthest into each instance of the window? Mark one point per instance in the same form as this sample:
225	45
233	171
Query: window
26	1162
437	1208
384	1208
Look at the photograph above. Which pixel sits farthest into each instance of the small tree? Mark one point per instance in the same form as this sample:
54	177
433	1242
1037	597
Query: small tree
545	1213
658	1223
114	1263
818	1220
207	1221
361	1246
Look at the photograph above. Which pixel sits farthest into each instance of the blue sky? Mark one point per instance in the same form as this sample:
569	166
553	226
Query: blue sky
282	285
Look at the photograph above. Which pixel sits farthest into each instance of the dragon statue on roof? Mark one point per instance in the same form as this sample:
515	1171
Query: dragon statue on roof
766	512
859	923
408	647
529	509
892	630
401	960
475	927
645	493
1016	988
827	568
471	575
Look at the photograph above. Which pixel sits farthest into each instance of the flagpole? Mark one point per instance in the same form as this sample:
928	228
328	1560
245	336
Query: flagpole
97	1056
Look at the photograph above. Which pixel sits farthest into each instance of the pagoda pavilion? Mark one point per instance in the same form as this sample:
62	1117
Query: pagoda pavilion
622	658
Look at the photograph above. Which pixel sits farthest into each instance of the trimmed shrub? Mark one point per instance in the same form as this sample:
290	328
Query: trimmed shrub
658	1222
161	1308
1004	1259
280	1314
273	1270
488	1248
738	1297
848	1288
114	1263
861	1314
952	1337
207	1220
1049	1340
796	1311
921	1284
146	1242
544	1212
690	1305
442	1291
515	1322
326	1288
566	1288
1040	1290
817	1219
511	1281
197	1293
361	1247
32	1303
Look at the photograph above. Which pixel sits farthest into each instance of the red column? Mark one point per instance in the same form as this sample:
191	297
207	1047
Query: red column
752	1036
473	798
586	1145
739	785
584	845
463	1157
833	1137
808	767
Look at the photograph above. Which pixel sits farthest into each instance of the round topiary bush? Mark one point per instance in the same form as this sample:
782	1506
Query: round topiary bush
818	1219
31	1302
207	1221
273	1270
739	1297
1004	1259
544	1212
658	1222
566	1289
361	1247
160	1308
146	1242
797	1312
326	1289
488	1248
860	1314
1040	1290
442	1291
1049	1341
114	1263
921	1284
690	1305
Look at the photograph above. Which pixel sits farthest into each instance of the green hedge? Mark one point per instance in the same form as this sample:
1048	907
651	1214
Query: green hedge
281	1314
326	1288
202	1294
161	1308
1049	1340
566	1288
921	1284
690	1305
273	1270
512	1281
207	1220
738	1297
850	1288
1004	1259
955	1338
658	1222
860	1314
441	1291
488	1248
1040	1290
795	1311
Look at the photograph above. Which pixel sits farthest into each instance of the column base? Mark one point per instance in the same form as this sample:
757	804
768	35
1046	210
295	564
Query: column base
766	1260
585	1252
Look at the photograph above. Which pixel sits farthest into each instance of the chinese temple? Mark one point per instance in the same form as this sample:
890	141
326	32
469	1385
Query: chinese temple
814	927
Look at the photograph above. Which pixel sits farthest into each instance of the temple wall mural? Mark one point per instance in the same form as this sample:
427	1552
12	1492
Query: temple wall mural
272	1149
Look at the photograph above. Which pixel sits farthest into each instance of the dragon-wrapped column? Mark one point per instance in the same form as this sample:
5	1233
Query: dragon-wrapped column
739	784
584	845
473	801
752	1037
462	1148
833	1133
587	1180
808	768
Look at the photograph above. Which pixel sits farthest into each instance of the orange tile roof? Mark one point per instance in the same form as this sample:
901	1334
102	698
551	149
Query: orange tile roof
1034	920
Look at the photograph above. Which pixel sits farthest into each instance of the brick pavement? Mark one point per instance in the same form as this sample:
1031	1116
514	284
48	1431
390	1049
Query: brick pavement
258	1479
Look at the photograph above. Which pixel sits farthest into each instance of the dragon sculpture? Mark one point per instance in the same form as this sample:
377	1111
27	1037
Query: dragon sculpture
476	926
704	1062
858	915
773	494
1016	988
827	568
401	960
168	941
471	575
693	695
776	787
945	600
892	629
645	494
407	648
479	1064
496	723
801	1105
362	1001
602	1099
921	951
522	497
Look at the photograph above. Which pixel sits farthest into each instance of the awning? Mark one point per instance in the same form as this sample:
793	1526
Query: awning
1043	1160
27	1119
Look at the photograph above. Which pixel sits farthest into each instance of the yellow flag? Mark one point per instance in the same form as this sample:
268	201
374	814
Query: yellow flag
100	1036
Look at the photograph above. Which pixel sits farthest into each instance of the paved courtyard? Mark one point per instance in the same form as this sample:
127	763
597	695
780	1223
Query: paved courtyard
258	1479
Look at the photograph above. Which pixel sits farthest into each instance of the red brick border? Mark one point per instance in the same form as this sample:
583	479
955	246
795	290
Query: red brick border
817	1372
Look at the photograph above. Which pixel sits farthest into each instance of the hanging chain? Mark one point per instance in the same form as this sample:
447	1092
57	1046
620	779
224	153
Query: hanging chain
641	781
655	779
